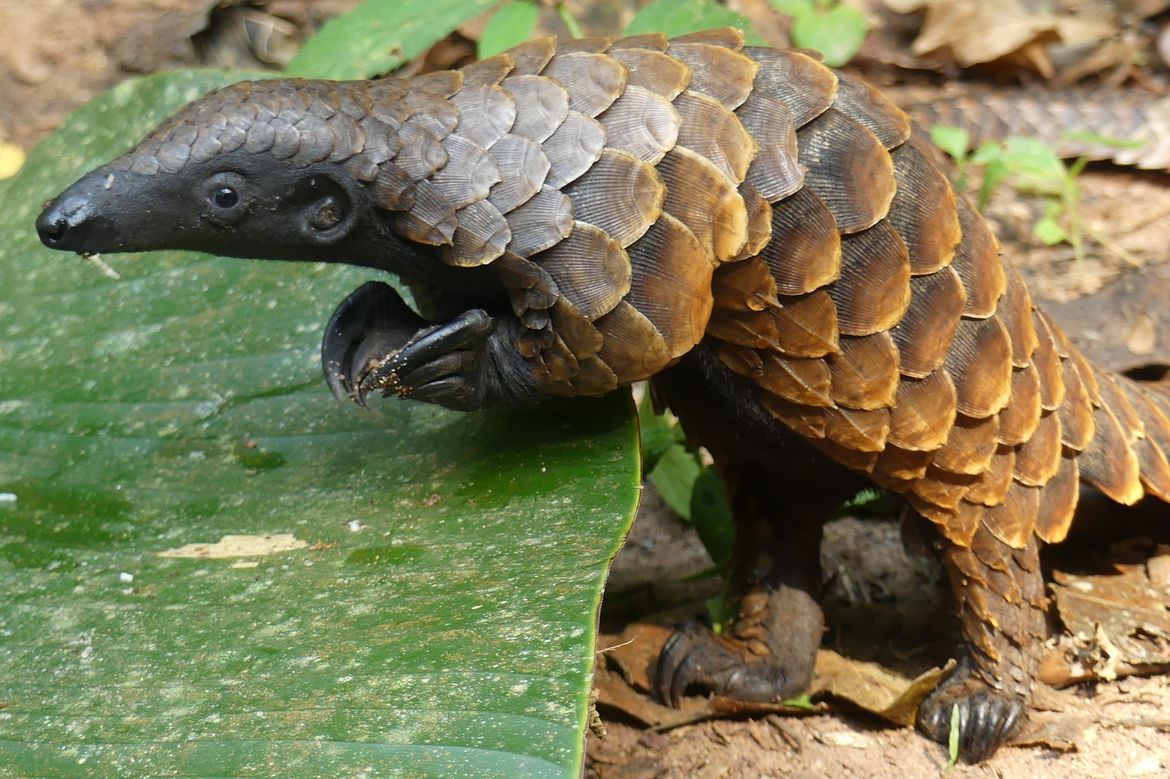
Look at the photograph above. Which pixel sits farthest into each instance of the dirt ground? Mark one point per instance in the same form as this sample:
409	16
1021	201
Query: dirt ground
882	603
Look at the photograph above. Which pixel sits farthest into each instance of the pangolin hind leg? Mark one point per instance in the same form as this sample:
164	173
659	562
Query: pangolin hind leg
999	593
782	491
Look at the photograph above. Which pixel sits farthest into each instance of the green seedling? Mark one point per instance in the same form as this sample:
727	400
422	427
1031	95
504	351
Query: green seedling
828	26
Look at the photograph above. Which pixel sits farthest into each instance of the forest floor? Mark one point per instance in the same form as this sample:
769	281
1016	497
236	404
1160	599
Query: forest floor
882	604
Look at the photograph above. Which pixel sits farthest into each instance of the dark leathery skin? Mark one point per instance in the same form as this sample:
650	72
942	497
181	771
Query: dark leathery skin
577	217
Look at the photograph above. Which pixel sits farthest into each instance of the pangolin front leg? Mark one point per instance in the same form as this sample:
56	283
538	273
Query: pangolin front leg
374	341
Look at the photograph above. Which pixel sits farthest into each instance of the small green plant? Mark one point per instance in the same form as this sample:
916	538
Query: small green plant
1035	169
691	487
829	26
953	737
515	22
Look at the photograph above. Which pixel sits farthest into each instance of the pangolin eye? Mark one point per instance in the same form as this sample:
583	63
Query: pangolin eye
225	197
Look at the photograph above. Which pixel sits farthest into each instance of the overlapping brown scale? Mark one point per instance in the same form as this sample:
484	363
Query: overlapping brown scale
653	70
469	174
485	114
702	198
1109	462
728	37
806	325
386	101
573	148
980	364
579	334
542	222
488	72
775	170
1038	458
531	57
393	188
740	359
862	103
1076	412
1047	363
1014	520
655	41
717	71
873	291
978	265
1113	396
806	86
541	105
671	283
858	430
560	364
523	167
755	329
481	236
633	347
421	153
621	194
431	219
382	141
593	81
713	131
849	168
759	223
853	459
864	372
902	464
924	333
444	83
591	270
744	286
592	45
796	379
349	138
528	284
924	210
1150	450
1058	502
806	421
995	480
924	411
642	123
805	251
1021	415
970	446
594	377
435	114
942	489
1016	312
959	527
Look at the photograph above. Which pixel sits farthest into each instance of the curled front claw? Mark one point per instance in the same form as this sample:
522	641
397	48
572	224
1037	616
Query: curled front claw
374	341
368	327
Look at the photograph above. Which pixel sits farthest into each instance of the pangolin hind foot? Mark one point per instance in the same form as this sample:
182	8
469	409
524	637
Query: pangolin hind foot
771	239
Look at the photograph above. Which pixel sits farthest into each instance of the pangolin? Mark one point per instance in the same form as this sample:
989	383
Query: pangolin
769	241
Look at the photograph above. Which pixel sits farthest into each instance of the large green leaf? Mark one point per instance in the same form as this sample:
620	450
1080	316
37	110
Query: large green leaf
380	35
440	621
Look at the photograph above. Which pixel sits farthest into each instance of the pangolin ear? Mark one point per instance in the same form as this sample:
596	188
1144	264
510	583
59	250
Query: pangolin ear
326	209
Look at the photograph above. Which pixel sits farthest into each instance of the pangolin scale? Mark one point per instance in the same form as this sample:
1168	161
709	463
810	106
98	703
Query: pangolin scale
773	242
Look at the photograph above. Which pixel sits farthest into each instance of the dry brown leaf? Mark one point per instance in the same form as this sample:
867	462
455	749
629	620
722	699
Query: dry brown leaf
1120	621
874	688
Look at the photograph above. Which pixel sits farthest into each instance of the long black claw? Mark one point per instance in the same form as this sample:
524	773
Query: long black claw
373	318
988	718
448	353
694	657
